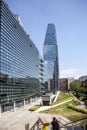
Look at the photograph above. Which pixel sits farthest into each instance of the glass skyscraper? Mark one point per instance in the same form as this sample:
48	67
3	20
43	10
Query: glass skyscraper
50	54
19	59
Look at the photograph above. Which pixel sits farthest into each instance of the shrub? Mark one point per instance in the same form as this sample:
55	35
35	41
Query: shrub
34	108
82	110
76	102
84	98
63	95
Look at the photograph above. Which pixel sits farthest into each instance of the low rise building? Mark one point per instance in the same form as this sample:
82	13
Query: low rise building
63	83
83	81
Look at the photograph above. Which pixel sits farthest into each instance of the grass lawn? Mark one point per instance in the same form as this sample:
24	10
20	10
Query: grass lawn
63	110
66	112
63	97
62	100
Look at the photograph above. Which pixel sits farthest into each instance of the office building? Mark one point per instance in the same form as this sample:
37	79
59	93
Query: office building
46	76
41	72
50	54
19	59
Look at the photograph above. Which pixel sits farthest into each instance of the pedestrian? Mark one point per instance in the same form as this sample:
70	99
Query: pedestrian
55	124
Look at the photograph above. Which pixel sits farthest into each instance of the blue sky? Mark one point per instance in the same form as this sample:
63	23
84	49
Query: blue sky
70	19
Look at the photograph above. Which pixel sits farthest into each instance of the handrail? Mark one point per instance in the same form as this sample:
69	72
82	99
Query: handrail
76	121
40	121
72	124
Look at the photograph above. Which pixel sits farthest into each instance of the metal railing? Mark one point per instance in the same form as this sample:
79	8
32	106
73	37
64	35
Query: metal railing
42	124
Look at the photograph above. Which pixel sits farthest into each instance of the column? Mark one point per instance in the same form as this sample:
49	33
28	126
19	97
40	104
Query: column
24	103
14	107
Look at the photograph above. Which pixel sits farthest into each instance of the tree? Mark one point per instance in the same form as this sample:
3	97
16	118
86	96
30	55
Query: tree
75	86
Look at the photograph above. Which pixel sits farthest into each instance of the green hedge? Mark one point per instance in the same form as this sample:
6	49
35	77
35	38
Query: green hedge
34	108
82	110
76	102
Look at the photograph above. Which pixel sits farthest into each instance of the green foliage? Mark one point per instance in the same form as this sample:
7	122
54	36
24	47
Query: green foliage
63	97
83	98
75	85
34	108
85	90
63	110
78	109
76	102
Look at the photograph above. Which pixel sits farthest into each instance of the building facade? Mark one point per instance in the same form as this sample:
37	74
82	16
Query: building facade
41	72
83	81
50	54
63	83
19	59
83	78
70	79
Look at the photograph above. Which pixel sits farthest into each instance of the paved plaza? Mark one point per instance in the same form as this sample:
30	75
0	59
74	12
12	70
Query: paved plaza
16	120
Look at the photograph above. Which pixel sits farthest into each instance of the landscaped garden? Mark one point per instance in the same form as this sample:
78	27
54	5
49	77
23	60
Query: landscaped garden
68	106
66	110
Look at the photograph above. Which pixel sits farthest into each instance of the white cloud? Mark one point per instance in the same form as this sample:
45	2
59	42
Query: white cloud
68	73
